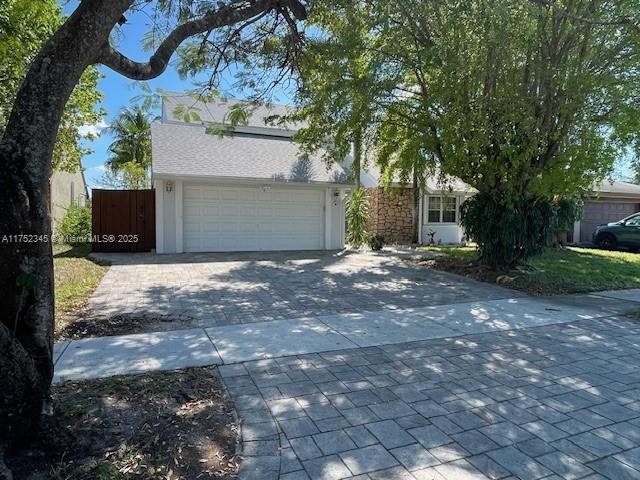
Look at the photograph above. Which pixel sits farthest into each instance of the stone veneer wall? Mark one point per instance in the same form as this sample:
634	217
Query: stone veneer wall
390	213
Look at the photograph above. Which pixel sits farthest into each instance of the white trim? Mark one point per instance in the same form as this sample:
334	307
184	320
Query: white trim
442	197
230	129
179	213
327	219
209	179
159	188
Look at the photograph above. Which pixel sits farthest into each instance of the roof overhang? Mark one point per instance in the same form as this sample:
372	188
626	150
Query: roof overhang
248	180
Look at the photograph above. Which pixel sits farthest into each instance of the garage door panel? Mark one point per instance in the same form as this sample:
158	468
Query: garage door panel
248	211
211	196
208	211
248	218
248	195
192	193
210	227
596	213
191	211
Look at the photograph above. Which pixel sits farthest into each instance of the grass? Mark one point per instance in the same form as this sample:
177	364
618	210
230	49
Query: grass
75	277
557	271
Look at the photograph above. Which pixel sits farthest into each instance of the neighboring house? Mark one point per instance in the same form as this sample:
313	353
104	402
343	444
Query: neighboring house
248	191
66	188
439	210
609	202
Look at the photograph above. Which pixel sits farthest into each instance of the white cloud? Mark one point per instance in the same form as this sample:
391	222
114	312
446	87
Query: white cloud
93	130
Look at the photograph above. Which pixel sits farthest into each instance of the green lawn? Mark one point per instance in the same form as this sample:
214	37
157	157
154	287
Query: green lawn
75	277
570	270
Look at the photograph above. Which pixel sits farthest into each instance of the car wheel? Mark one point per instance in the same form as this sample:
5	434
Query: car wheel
607	241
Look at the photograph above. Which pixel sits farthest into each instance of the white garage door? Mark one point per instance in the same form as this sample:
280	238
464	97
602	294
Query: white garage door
230	219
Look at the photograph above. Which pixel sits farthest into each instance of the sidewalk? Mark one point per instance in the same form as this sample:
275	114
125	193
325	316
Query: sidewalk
106	356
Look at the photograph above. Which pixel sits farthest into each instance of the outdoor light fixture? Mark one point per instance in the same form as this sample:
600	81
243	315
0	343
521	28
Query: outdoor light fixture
169	186
266	188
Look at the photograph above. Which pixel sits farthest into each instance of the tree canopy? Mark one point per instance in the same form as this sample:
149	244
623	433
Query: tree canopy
24	27
514	97
526	101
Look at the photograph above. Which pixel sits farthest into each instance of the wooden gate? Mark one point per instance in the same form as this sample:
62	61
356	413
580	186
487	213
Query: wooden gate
123	220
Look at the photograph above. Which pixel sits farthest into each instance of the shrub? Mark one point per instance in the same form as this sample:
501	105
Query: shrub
510	230
375	242
75	226
357	213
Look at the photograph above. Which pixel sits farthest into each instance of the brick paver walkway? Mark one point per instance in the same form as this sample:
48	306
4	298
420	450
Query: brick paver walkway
213	289
560	401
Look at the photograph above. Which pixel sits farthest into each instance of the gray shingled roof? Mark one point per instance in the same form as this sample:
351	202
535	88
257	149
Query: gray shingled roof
188	150
617	188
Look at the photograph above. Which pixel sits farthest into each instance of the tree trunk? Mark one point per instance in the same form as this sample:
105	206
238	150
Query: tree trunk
26	263
357	158
415	209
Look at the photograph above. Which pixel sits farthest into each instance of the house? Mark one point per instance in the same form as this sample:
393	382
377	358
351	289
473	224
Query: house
66	189
439	209
250	190
608	202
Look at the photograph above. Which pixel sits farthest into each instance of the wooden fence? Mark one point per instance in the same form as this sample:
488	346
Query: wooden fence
123	220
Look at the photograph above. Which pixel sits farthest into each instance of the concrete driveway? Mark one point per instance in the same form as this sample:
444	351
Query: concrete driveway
206	290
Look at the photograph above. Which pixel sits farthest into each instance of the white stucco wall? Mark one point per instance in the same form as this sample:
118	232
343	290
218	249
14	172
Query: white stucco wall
445	233
66	188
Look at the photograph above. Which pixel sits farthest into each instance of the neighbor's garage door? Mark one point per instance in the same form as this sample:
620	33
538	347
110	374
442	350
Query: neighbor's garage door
227	219
596	213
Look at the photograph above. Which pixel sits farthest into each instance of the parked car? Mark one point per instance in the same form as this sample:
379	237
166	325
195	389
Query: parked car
624	233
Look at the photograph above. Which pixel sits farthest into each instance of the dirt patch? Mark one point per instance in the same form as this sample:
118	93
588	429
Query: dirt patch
474	270
175	425
87	324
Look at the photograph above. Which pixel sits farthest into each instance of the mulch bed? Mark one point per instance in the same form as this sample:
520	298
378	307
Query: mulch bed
474	270
87	324
175	425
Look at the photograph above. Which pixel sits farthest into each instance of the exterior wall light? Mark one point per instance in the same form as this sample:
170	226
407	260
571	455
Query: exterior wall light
169	186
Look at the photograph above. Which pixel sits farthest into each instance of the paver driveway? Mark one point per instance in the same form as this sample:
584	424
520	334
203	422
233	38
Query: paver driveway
221	289
560	401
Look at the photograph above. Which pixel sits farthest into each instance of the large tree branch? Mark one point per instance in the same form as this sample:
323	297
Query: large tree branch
233	13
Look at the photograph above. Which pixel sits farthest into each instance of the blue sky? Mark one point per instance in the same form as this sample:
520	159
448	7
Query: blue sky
118	92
